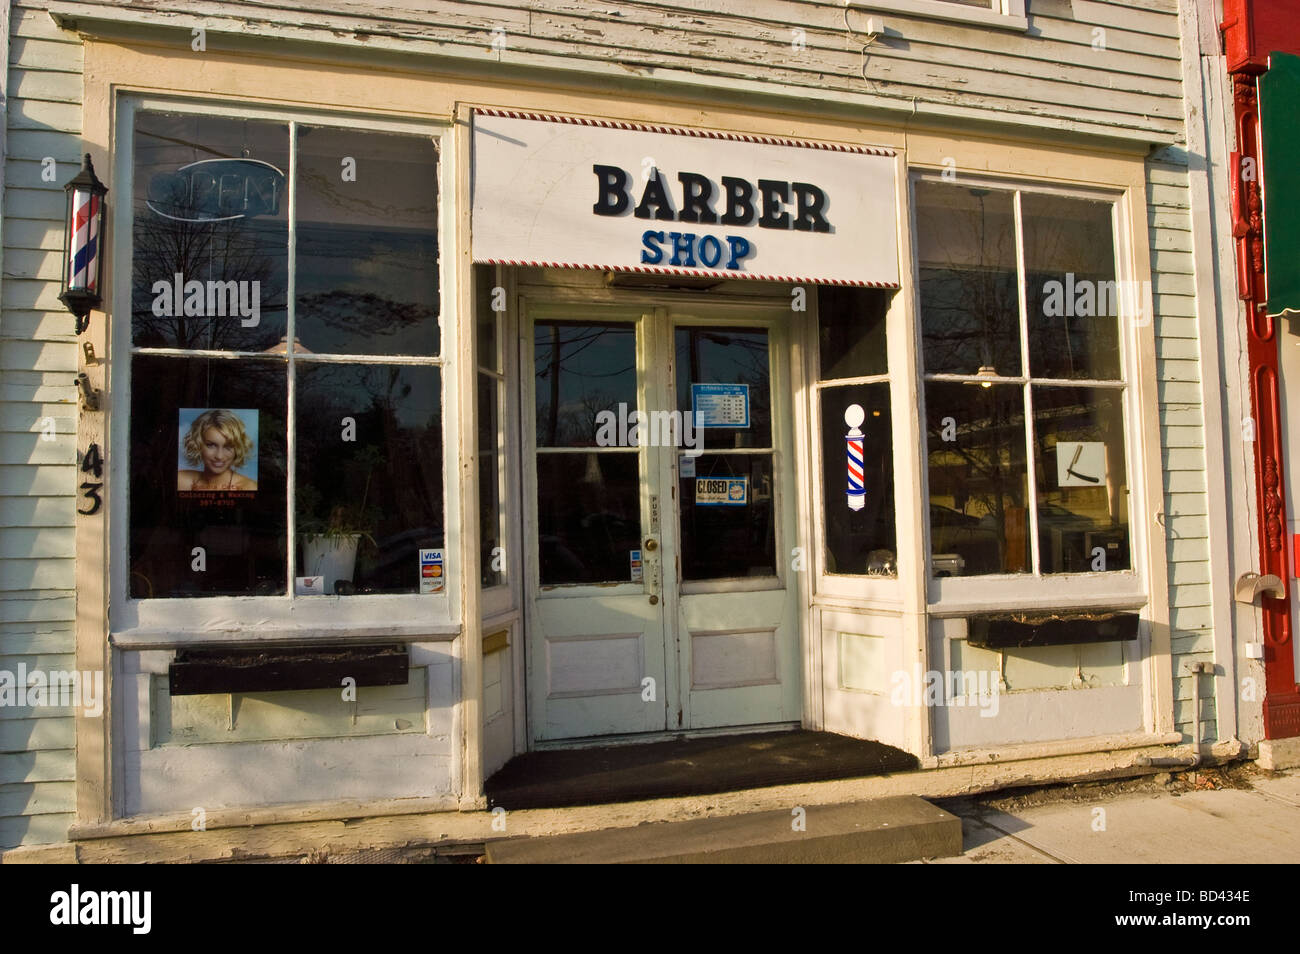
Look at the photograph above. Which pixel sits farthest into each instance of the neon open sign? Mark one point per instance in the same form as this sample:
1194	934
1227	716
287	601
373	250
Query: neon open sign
217	190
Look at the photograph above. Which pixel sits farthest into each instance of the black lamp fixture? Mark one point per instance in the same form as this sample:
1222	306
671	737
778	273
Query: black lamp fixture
83	257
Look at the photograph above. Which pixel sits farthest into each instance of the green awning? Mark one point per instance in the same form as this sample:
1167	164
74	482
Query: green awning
1279	114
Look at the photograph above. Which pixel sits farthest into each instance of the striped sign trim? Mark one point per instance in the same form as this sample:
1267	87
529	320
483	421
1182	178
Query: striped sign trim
686	131
687	272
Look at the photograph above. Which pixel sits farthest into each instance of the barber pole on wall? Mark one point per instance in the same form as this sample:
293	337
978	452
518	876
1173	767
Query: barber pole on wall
83	261
857	492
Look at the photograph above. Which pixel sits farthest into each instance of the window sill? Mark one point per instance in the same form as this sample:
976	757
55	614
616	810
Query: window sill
225	619
146	638
963	596
948	12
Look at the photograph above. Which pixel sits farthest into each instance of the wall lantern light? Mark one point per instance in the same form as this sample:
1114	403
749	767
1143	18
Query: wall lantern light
83	257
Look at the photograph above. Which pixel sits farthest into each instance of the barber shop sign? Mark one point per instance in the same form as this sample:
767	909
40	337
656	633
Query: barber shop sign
563	192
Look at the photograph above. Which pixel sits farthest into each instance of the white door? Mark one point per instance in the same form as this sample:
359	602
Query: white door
660	590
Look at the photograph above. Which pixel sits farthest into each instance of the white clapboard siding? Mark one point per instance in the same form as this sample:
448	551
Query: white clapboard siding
21	612
48	766
43	639
1182	437
37	798
38	364
35	829
1062	72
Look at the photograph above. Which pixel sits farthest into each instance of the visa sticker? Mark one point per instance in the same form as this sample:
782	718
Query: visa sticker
432	578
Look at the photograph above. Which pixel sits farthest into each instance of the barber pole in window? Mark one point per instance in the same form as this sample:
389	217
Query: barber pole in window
857	493
82	253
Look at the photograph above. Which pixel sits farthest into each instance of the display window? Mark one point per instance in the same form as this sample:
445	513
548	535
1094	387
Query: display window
286	415
855	426
1021	307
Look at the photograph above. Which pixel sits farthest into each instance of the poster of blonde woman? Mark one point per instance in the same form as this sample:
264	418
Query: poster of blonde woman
218	450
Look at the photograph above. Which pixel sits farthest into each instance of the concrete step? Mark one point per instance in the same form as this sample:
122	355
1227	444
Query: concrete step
880	831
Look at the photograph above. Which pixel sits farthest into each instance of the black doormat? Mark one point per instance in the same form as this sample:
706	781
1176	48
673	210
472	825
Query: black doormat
564	778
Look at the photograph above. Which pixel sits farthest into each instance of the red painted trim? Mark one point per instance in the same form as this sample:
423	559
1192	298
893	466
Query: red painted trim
1252	29
1281	694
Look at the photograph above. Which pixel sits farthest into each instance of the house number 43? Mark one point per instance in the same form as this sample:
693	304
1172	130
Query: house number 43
92	462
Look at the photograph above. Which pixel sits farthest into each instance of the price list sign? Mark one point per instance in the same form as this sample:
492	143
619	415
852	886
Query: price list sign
721	405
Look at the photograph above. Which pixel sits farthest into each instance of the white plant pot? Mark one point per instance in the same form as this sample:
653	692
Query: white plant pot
333	557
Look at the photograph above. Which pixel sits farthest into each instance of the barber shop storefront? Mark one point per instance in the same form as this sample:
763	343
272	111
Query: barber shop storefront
442	419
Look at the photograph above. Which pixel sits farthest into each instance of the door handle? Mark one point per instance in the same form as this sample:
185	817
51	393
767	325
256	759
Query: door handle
650	546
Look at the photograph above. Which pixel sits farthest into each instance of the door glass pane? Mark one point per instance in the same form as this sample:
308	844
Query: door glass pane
589	517
369	475
851	323
367	242
858	541
1082	482
210	233
970	309
722	375
978	478
208	470
585	383
1072	296
489	305
490	451
727	517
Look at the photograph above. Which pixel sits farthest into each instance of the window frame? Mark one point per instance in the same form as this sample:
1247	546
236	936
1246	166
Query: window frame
174	620
1000	14
498	597
886	590
956	596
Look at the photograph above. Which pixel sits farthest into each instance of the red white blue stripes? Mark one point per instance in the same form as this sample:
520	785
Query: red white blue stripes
857	492
83	250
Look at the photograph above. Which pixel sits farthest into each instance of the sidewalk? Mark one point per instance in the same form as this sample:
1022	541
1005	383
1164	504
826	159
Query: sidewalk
1237	814
1140	822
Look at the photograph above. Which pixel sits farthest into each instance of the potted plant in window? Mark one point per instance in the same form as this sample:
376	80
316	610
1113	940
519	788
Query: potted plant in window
329	545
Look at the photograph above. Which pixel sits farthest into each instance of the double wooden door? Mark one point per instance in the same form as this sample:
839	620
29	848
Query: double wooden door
659	502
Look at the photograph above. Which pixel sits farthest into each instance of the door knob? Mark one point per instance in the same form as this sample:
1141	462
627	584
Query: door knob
652	544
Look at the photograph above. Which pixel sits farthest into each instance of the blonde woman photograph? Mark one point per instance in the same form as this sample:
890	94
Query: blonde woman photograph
218	439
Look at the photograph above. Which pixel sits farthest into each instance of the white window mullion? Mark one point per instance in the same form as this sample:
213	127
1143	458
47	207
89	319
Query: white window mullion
849	382
1031	469
291	481
168	621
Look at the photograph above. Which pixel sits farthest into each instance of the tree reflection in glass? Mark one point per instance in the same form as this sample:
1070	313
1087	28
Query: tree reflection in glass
210	206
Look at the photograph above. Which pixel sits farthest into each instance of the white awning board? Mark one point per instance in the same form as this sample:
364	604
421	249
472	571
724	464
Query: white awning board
534	188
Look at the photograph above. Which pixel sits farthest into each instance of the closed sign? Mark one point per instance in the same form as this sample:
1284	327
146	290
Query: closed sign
721	492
